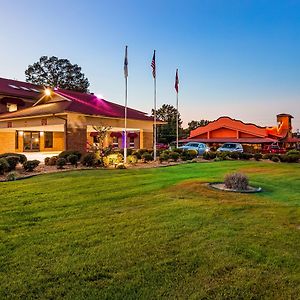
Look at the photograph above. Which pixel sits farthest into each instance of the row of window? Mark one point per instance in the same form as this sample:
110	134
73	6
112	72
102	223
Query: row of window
31	140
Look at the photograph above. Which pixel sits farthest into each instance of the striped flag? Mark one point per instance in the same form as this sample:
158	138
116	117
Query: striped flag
153	65
126	63
176	81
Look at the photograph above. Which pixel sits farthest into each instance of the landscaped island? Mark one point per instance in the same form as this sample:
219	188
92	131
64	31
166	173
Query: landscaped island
152	233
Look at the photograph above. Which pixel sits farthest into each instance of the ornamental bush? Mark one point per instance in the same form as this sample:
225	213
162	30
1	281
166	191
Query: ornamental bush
293	152
12	161
30	165
236	181
146	157
4	166
12	176
177	150
73	160
289	158
67	153
137	154
275	158
46	161
120	166
268	156
257	156
89	159
164	157
113	159
61	162
22	157
52	161
174	156
223	155
234	155
245	156
132	159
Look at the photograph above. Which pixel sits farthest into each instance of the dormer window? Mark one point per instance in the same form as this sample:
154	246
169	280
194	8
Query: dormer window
11	107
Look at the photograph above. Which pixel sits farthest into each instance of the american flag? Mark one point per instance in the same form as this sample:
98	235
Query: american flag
176	81
126	63
153	65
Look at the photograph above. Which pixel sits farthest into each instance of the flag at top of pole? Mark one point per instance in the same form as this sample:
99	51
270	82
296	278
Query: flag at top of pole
126	63
153	65
176	81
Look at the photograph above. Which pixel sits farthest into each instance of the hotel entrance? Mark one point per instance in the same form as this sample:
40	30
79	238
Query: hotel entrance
31	141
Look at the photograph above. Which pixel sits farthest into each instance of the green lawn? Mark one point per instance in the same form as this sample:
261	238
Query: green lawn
152	233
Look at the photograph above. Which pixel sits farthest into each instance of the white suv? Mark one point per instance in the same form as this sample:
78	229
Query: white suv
231	147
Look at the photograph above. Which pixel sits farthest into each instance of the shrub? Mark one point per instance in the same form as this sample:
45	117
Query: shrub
22	157
245	156
234	155
268	156
52	161
137	154
113	159
188	155
12	176
120	166
73	159
174	156
12	161
289	158
4	166
132	159
89	159
61	162
129	151
164	157
293	152
177	150
275	158
142	151
236	181
46	161
223	155
257	156
30	165
146	157
67	153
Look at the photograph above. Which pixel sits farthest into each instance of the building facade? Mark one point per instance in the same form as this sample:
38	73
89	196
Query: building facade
32	120
226	129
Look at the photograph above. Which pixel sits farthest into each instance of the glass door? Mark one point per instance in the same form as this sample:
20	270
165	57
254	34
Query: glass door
31	141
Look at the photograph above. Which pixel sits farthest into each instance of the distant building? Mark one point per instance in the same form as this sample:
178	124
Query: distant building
30	120
226	129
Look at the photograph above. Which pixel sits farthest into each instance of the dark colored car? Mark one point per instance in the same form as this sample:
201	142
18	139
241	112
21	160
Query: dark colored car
273	149
161	146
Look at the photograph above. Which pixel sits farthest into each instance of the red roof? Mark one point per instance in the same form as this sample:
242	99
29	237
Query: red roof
232	140
69	101
230	123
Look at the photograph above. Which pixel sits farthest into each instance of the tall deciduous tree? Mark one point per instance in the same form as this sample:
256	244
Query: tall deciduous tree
167	133
55	72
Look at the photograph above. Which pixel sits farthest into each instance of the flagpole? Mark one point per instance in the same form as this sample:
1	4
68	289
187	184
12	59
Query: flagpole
177	127
154	142
126	99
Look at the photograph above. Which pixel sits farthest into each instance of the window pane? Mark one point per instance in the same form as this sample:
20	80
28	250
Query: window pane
48	139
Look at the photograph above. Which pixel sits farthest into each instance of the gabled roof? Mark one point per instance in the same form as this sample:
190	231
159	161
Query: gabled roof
63	102
20	89
227	122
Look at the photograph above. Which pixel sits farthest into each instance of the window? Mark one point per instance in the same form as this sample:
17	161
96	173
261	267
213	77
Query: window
115	142
48	139
11	107
17	140
131	142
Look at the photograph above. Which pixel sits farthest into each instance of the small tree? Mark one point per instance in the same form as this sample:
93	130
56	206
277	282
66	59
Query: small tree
98	148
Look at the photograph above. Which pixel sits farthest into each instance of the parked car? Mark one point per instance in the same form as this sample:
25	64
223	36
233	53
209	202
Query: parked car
199	147
274	148
161	146
231	147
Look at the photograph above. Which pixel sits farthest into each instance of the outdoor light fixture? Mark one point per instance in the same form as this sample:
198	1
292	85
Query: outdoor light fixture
41	133
21	133
47	92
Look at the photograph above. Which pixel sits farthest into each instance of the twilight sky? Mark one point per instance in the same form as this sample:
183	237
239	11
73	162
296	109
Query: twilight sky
237	58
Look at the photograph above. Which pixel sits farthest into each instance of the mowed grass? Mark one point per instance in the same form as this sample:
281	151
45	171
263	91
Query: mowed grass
152	233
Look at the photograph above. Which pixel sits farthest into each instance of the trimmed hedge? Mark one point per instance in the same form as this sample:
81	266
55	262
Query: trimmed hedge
22	157
67	153
4	165
30	165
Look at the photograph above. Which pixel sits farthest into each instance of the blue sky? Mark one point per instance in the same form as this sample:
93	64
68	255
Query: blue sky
236	58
